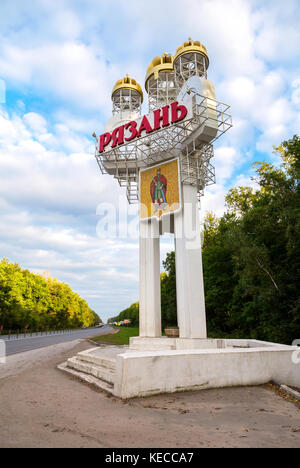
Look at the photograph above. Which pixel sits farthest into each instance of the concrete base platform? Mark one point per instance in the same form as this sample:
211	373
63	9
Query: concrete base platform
138	343
174	364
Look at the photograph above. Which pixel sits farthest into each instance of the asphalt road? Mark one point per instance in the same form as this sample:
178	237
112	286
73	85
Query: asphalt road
26	344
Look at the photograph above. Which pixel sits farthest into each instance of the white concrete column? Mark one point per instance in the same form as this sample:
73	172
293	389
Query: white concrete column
189	273
150	302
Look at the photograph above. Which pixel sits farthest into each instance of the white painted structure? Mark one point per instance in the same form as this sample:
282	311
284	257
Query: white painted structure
169	79
147	373
189	275
149	262
207	364
154	364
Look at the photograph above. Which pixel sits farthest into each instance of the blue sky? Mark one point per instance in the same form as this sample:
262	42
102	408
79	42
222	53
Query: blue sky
58	64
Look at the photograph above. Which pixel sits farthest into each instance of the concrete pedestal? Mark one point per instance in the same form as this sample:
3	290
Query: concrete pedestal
139	343
128	373
237	363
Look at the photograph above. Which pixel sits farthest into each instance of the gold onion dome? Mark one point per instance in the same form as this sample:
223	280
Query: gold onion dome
159	64
127	83
192	46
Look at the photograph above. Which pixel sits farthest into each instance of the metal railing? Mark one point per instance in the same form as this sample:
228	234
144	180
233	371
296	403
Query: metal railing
19	334
190	140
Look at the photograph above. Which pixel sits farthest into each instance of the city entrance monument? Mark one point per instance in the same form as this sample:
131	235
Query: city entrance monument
163	159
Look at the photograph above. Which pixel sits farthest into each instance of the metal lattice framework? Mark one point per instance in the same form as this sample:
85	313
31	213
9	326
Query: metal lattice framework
189	64
161	90
190	140
125	100
195	167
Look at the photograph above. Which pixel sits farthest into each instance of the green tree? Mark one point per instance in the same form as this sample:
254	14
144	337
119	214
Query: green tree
266	250
27	299
168	292
218	272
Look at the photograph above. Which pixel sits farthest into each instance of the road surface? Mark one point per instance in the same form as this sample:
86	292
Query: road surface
20	345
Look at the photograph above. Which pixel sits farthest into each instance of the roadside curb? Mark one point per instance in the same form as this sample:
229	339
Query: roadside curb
103	343
106	343
290	391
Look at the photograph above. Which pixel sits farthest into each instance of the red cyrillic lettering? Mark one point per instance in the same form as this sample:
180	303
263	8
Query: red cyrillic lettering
178	113
145	125
164	117
131	126
175	109
104	141
117	136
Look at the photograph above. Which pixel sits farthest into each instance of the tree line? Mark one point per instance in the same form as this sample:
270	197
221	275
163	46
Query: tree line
131	313
36	302
251	258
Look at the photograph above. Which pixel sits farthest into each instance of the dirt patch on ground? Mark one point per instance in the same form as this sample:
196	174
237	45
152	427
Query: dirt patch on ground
43	407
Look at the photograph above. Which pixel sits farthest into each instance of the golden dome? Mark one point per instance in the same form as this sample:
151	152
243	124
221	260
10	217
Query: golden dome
192	46
159	64
127	83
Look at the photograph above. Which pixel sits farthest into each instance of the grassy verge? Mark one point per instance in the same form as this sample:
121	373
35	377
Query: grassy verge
121	338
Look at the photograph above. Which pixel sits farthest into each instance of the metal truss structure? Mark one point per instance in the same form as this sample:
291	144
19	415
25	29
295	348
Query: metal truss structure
125	100
161	90
188	65
190	140
195	167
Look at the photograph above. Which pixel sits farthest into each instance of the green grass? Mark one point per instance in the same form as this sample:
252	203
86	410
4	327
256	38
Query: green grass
120	338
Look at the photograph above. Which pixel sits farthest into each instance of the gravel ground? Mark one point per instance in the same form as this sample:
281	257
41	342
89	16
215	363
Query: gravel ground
43	407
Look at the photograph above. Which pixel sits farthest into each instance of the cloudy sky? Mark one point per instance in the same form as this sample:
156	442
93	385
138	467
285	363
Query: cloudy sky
58	63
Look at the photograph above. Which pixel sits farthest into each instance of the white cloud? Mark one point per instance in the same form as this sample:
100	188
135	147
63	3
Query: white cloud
7	130
36	123
49	179
72	71
226	161
278	34
296	91
2	91
213	201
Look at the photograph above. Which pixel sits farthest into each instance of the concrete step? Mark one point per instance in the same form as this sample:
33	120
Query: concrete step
98	371
98	383
101	357
108	363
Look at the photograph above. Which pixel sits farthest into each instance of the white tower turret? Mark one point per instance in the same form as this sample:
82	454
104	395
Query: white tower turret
127	99
191	59
160	82
127	96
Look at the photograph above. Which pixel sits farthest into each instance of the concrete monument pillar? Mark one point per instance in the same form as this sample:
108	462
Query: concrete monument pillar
189	273
150	301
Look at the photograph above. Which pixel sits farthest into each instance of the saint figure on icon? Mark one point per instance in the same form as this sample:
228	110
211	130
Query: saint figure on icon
158	190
